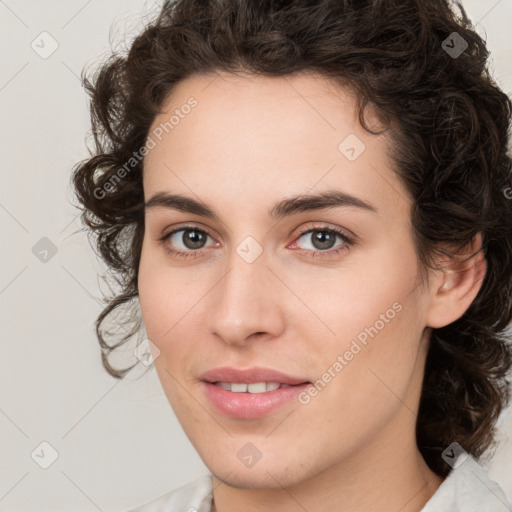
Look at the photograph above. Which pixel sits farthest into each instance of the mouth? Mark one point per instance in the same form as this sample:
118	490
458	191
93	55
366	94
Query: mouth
253	387
250	393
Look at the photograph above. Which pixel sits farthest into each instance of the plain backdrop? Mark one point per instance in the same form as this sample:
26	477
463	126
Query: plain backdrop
117	443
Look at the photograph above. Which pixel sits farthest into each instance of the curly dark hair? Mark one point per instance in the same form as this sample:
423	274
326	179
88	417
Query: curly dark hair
449	123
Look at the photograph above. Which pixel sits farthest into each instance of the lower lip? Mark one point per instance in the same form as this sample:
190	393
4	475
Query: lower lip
250	405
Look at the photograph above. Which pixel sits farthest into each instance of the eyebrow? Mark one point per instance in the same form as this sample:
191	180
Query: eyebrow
281	209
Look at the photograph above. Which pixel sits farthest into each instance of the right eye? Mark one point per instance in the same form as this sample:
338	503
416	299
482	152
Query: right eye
191	239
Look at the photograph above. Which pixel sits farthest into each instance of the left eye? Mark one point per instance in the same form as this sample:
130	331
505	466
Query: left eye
323	239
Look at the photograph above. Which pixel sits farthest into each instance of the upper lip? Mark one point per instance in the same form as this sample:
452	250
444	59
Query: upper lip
249	376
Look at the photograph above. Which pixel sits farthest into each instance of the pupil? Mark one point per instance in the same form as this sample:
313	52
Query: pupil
193	239
324	239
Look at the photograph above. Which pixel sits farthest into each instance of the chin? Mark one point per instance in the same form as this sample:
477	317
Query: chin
264	478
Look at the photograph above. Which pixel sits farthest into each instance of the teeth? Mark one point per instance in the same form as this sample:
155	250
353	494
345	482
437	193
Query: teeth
256	387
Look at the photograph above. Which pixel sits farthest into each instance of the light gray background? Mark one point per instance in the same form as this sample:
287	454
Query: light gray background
118	442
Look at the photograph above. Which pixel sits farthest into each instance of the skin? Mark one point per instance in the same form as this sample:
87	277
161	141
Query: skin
250	142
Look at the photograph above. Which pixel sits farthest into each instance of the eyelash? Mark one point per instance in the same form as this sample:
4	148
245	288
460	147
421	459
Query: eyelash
315	253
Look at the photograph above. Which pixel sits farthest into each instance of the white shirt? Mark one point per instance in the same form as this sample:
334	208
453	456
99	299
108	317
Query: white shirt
467	488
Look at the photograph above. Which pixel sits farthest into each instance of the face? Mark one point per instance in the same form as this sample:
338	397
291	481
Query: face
327	293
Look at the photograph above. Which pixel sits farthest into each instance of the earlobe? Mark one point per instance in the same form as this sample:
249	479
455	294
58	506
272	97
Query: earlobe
457	285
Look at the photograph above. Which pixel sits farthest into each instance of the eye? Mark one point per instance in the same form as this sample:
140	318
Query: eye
191	239
323	240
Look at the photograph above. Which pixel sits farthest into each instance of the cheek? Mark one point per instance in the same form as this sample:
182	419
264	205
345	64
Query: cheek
374	313
171	305
377	332
164	293
368	290
159	309
164	310
152	300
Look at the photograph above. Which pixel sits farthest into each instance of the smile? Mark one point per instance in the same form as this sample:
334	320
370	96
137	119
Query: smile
255	387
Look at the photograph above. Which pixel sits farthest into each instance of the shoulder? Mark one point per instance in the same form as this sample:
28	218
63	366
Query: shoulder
468	488
195	496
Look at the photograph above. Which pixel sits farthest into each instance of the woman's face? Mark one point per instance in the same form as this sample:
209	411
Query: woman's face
264	281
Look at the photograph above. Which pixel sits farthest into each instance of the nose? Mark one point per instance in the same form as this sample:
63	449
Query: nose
247	302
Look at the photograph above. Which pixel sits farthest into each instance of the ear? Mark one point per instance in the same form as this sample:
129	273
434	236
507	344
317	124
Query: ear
455	286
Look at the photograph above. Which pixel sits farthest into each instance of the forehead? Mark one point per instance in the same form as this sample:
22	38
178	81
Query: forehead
242	116
258	134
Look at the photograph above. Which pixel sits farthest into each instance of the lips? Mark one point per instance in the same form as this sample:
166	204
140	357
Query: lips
250	376
239	393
